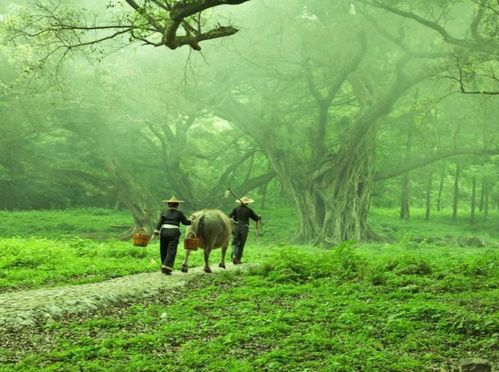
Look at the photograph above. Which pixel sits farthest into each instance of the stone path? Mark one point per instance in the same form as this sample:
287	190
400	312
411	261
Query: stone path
27	308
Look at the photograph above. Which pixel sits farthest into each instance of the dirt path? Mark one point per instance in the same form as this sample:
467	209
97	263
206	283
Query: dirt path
27	308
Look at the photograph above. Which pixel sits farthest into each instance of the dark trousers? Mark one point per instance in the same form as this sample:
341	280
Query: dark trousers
239	240
168	246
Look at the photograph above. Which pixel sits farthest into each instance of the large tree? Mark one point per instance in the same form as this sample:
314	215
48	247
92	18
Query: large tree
319	125
318	118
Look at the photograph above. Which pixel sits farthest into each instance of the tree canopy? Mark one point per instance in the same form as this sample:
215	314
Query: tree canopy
328	106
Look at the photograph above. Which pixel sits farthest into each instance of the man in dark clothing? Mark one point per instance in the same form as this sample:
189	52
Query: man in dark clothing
241	215
168	227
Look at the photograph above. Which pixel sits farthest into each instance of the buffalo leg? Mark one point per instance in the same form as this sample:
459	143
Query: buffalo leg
185	264
222	263
207	251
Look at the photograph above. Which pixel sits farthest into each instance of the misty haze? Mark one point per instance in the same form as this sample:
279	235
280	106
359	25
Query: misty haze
249	185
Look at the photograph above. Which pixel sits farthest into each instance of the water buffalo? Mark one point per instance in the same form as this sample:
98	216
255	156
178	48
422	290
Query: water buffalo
213	229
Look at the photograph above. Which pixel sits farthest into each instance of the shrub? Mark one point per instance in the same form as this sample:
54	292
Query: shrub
351	264
22	262
415	267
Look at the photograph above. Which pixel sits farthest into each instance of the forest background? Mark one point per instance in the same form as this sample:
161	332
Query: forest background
366	131
327	108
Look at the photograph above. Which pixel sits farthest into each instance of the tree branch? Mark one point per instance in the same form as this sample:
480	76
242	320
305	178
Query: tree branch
162	19
399	41
186	8
419	163
222	181
463	90
479	45
255	182
433	25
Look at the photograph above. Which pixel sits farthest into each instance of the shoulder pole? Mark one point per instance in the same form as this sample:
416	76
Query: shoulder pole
229	192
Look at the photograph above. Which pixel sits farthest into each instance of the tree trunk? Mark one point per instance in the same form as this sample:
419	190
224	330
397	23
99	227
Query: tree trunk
250	168
333	206
428	197
134	195
265	188
482	195
456	192
331	188
440	189
486	202
404	199
263	192
473	200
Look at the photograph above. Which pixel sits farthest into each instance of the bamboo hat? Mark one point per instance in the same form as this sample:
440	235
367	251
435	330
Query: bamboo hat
245	200
173	199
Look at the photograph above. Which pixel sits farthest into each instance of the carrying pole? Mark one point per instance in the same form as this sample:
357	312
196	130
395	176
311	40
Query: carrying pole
234	194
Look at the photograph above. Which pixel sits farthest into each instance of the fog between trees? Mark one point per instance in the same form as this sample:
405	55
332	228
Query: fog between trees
330	107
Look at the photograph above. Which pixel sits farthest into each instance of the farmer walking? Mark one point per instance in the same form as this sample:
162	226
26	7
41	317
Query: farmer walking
240	216
168	228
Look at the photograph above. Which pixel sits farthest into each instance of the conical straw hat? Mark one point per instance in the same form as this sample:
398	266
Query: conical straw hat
245	200
173	199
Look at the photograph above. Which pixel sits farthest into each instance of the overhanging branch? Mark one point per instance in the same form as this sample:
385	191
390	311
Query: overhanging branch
59	28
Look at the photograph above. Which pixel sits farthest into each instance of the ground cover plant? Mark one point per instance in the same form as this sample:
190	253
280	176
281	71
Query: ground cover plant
28	263
57	249
92	223
410	305
355	307
47	248
441	228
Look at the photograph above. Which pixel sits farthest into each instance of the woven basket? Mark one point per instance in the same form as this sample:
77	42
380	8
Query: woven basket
141	238
191	243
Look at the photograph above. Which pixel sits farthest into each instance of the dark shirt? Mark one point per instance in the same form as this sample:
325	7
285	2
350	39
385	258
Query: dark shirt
172	217
242	214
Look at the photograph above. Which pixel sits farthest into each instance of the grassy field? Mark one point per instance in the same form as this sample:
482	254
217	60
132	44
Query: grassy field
440	226
424	299
92	223
56	248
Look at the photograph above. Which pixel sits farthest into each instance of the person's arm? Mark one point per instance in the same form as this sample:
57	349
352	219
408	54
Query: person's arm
158	225
184	219
254	216
232	214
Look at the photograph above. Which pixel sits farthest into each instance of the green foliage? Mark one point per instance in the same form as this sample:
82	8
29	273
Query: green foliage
439	230
298	311
342	263
402	306
37	262
48	248
85	222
